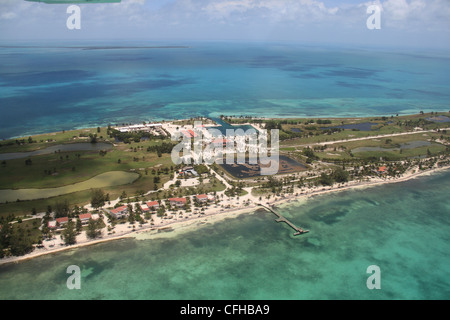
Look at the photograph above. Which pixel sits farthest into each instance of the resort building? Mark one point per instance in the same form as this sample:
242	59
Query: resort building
201	198
140	127
189	171
153	205
85	218
204	198
179	202
119	212
62	221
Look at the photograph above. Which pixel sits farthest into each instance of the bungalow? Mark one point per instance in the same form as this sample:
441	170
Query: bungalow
62	221
119	212
201	198
153	205
179	202
85	217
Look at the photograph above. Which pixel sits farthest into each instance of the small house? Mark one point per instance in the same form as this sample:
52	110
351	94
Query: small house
85	218
62	221
179	202
119	212
201	198
153	205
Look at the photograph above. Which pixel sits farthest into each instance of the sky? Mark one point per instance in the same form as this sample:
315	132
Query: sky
409	23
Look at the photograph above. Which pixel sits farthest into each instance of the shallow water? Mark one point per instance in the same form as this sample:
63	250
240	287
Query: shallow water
403	228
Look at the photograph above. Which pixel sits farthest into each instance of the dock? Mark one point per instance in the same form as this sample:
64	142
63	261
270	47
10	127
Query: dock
280	218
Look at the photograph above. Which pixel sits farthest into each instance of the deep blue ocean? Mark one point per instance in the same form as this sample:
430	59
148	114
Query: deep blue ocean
403	228
59	86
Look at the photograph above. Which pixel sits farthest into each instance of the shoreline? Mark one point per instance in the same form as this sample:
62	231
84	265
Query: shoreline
178	227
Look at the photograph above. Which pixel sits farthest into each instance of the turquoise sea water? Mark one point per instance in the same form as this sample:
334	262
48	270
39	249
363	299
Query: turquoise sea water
403	228
53	87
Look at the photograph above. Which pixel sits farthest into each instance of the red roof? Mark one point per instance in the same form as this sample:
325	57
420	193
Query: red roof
63	219
119	209
177	199
382	169
186	133
202	196
152	203
85	216
192	133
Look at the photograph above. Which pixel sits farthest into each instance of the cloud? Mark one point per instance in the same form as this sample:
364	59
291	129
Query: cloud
271	10
8	15
196	19
402	14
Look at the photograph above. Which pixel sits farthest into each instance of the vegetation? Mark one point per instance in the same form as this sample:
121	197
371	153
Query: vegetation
69	233
165	147
94	228
98	198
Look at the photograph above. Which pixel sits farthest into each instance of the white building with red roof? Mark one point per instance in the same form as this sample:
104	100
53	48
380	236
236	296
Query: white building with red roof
119	212
62	221
179	202
153	205
85	217
201	198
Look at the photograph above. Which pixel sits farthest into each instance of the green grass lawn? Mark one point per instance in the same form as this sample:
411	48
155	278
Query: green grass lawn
67	169
50	139
61	169
103	180
383	128
342	149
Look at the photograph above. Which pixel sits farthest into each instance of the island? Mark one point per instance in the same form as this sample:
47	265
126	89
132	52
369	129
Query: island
80	187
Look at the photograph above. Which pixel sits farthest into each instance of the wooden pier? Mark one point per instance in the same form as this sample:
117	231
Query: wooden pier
280	218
